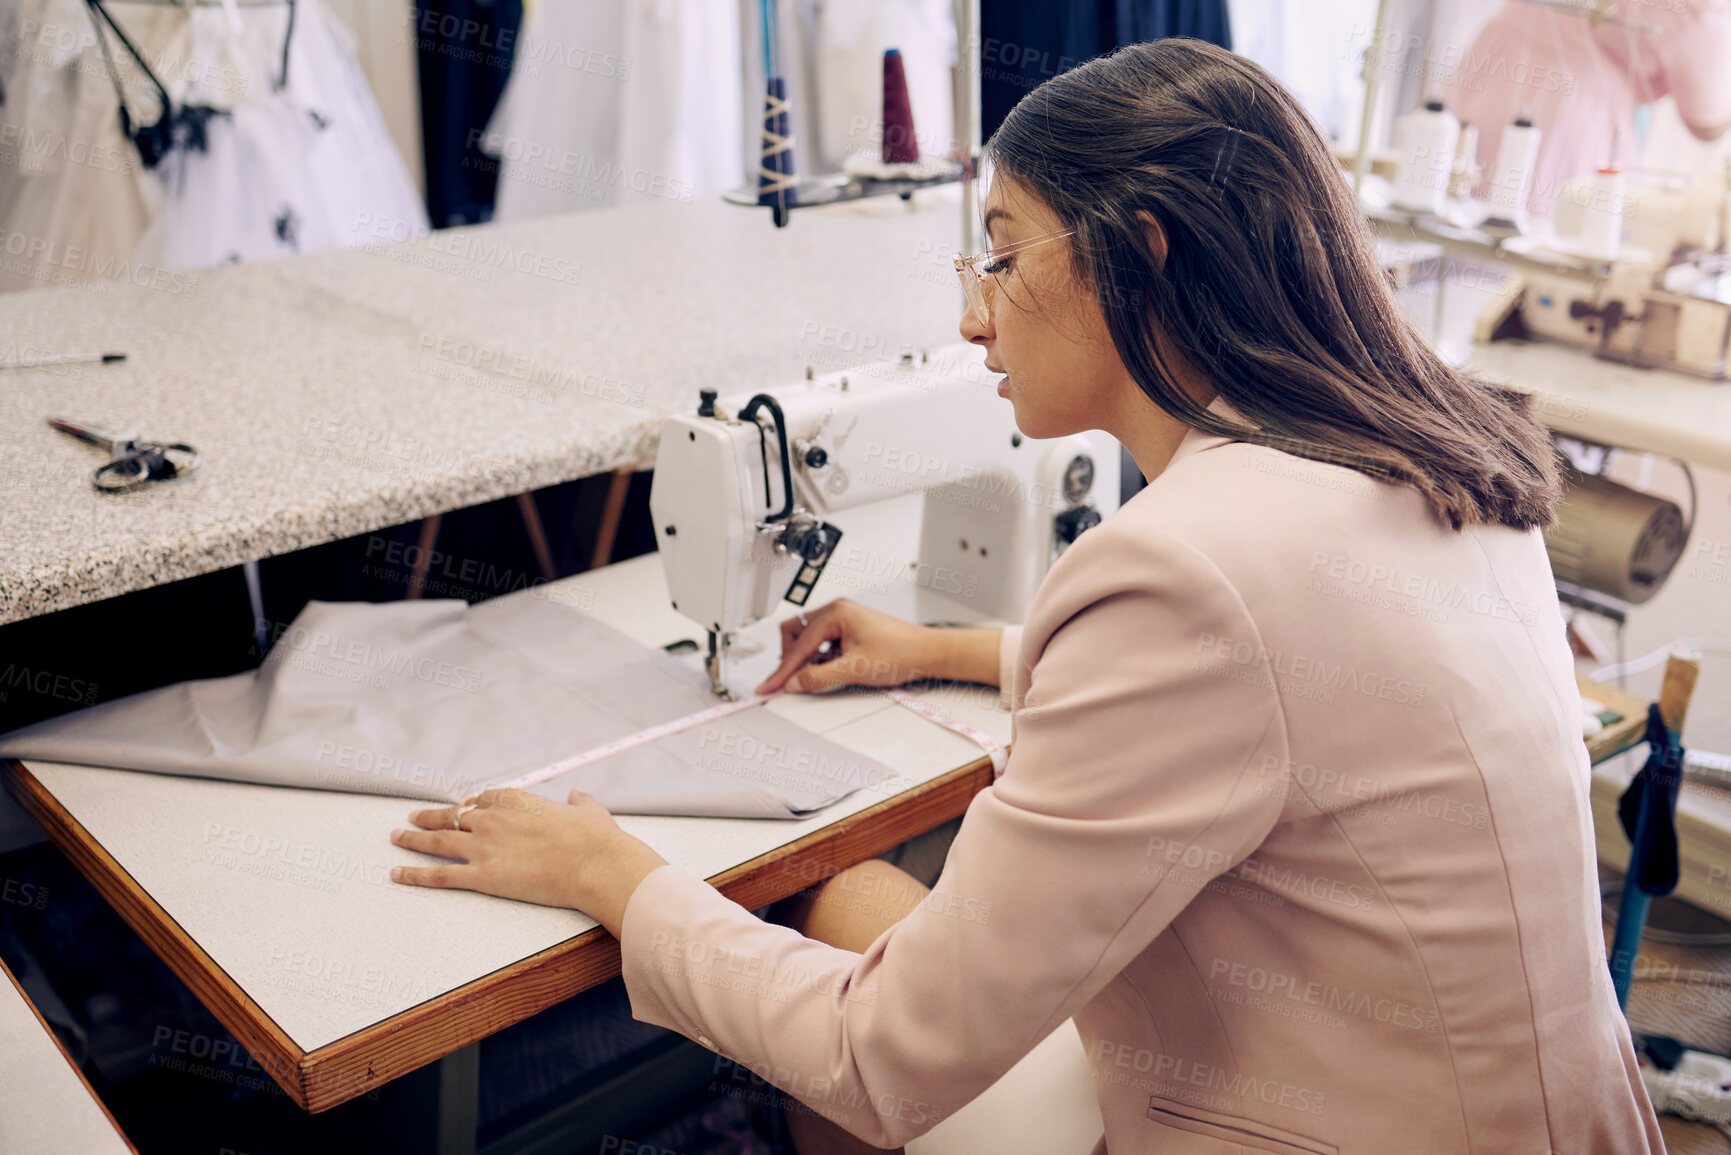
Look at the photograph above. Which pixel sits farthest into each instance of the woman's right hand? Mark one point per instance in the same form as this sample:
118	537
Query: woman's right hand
866	648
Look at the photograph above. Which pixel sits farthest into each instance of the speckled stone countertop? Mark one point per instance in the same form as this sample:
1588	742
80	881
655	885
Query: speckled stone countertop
343	392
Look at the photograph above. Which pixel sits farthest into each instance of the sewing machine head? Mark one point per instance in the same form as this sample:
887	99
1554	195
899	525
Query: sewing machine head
743	488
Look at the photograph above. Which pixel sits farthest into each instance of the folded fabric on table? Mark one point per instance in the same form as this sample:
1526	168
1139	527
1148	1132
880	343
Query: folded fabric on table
438	699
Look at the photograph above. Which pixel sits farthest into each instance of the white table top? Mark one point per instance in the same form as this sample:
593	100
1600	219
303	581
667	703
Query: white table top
1614	404
329	948
337	393
45	1104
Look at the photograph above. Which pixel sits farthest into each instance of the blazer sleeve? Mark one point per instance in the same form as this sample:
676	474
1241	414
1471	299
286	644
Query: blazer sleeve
1009	645
1131	739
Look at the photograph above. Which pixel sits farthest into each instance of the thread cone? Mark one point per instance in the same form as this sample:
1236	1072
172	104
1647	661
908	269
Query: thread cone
900	146
776	183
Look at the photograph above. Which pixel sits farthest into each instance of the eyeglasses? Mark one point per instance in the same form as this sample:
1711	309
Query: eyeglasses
973	271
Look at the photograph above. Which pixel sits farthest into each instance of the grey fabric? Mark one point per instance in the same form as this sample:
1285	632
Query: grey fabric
437	699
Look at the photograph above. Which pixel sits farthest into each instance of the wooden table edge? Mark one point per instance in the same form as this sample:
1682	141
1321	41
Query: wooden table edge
1618	736
67	1055
267	1042
344	1068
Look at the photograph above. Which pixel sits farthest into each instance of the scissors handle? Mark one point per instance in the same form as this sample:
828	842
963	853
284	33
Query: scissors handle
132	462
147	461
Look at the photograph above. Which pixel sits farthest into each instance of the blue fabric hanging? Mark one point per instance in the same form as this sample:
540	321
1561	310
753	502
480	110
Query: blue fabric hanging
465	52
1139	20
1024	43
1655	865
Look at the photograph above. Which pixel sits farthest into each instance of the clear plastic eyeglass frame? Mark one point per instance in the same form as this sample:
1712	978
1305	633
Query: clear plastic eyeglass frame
973	271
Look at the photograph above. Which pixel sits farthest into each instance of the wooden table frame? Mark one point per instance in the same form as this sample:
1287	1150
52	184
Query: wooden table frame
8	978
323	1078
1618	736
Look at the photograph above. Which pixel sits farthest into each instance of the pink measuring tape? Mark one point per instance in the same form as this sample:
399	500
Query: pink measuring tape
968	730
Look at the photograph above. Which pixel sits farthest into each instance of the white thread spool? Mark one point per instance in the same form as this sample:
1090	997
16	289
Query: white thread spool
1512	177
1464	169
1425	138
1602	222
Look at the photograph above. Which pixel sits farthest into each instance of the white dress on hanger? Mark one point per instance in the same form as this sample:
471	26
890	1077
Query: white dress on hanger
73	197
307	168
298	169
616	102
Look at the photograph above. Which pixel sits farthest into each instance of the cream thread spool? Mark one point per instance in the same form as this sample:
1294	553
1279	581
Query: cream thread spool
1602	223
1512	175
1426	139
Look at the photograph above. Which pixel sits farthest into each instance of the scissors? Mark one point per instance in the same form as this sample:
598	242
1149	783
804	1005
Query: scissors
132	462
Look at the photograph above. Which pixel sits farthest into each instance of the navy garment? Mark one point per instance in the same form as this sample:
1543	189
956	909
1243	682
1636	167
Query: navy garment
1139	20
1024	43
1655	864
465	49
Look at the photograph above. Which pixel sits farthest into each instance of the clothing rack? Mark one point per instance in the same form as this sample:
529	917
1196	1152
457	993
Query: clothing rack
1597	11
204	3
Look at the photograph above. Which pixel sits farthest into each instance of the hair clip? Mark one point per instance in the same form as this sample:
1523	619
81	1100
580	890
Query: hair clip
1222	173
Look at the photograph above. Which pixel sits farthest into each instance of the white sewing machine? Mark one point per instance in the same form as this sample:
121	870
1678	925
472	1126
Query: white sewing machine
742	489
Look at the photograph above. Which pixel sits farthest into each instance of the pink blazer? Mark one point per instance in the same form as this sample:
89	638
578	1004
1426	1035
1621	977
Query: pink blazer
1295	827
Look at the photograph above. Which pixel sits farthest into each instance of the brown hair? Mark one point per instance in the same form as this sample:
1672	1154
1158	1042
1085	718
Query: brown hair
1270	286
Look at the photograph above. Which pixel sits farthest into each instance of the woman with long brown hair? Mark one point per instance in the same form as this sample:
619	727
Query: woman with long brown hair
1295	824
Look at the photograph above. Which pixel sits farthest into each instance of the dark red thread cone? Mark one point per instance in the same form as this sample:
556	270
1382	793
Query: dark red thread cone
900	147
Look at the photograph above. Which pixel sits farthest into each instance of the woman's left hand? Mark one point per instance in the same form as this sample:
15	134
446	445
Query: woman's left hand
520	845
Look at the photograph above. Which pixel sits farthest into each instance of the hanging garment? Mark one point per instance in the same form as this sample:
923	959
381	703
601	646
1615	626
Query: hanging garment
438	699
1024	43
464	49
1581	82
74	198
1316	52
388	57
301	163
557	103
252	167
619	102
1137	20
680	125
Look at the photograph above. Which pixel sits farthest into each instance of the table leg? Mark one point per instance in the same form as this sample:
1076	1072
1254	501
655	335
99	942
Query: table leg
438	1106
617	488
537	535
423	559
255	597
